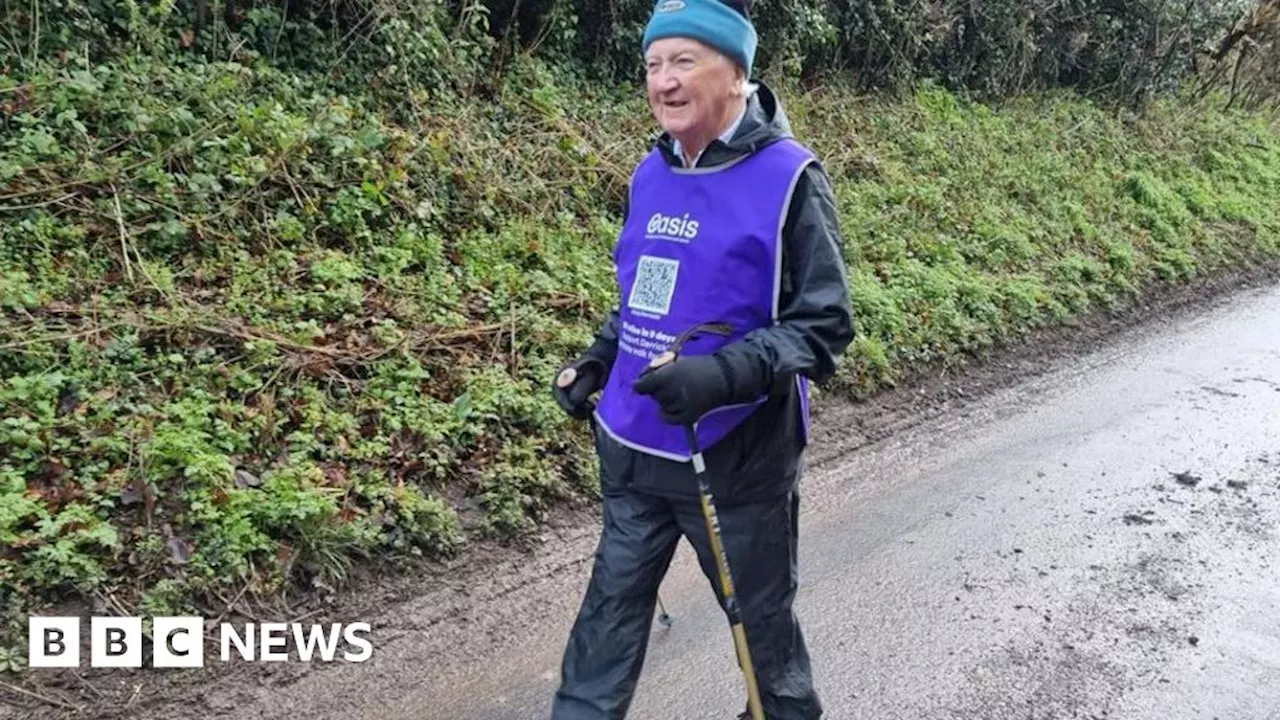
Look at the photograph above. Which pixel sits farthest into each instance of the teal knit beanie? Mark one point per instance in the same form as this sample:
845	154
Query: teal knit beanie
711	21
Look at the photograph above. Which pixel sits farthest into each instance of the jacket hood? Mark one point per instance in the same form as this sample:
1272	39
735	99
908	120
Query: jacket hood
764	123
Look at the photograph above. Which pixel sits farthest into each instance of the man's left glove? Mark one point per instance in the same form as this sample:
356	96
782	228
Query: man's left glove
688	388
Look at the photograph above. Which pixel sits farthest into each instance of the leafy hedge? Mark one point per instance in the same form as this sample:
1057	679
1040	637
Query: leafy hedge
1118	50
998	47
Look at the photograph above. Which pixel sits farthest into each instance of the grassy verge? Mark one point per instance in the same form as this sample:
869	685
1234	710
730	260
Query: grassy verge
252	331
967	224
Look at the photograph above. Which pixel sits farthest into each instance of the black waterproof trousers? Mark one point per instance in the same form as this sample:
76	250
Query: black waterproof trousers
607	646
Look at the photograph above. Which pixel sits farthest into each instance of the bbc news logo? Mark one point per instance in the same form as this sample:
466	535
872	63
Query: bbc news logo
179	642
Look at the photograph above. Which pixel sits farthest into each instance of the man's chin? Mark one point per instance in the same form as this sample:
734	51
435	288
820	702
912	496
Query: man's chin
676	129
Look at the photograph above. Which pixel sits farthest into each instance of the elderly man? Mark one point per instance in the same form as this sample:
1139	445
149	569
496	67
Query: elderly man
730	219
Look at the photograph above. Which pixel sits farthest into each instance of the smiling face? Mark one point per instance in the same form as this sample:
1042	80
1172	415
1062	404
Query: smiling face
693	90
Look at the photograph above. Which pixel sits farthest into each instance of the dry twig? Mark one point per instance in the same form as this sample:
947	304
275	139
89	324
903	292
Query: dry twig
89	685
59	338
38	696
124	234
236	605
34	206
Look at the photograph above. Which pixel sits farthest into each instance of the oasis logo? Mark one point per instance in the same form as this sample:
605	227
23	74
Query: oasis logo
673	228
178	642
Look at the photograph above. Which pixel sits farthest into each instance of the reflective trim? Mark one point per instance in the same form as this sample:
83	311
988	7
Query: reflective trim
636	446
782	222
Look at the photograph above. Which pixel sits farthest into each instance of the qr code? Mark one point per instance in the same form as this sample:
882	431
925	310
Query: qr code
654	285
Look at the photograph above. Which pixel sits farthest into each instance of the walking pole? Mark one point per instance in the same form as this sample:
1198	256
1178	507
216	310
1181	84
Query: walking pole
666	620
726	580
713	531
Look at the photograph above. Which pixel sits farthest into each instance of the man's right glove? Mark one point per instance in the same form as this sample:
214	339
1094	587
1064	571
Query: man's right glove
575	384
688	388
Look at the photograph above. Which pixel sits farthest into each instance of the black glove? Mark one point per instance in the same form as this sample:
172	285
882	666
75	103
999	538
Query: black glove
688	388
591	375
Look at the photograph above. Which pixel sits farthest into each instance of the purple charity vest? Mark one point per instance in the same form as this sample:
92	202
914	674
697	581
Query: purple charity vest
698	246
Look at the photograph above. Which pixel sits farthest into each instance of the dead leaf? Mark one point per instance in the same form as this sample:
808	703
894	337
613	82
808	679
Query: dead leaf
335	475
54	470
131	495
102	396
47	487
180	550
284	555
73	527
68	402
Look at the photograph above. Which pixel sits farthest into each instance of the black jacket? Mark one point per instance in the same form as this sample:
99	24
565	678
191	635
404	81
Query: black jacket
761	458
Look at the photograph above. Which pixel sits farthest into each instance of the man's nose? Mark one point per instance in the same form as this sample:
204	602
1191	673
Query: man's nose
665	80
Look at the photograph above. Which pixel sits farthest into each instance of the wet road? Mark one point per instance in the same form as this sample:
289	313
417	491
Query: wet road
1099	543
